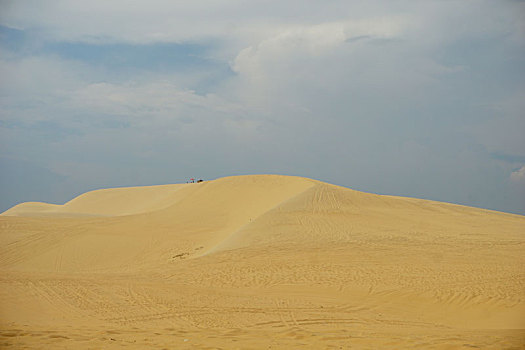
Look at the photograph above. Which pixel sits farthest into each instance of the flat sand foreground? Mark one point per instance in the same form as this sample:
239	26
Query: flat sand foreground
259	262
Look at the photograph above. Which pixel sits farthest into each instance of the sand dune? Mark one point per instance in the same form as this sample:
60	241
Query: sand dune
259	262
106	202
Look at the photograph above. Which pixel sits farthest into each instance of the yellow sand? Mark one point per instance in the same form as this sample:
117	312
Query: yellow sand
259	262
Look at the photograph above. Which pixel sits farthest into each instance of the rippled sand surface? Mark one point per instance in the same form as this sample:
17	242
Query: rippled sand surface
259	262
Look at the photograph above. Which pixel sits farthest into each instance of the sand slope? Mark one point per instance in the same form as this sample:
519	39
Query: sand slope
259	262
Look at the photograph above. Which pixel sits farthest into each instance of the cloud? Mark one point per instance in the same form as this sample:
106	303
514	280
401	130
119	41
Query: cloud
117	21
314	40
518	176
154	99
377	95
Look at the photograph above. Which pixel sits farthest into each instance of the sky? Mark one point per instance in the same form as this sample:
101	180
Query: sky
413	98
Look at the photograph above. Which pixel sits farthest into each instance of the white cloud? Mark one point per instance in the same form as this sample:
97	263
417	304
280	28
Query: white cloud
155	98
315	40
160	20
244	21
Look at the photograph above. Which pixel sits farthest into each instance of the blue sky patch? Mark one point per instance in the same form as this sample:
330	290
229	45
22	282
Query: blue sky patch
155	57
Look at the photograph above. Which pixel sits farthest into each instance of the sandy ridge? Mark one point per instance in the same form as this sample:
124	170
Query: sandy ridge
259	261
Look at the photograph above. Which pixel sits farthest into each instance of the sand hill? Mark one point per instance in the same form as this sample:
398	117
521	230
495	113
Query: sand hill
259	262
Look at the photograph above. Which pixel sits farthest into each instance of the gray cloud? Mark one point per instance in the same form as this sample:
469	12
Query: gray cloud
518	175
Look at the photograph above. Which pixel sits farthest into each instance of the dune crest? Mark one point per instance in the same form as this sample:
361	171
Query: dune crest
261	260
105	202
